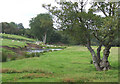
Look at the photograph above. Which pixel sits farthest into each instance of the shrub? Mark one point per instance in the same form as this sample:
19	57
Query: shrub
41	53
13	57
4	57
21	57
32	54
5	54
50	50
44	51
37	54
27	55
91	62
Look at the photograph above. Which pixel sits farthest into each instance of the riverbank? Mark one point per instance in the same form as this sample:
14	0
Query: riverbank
15	47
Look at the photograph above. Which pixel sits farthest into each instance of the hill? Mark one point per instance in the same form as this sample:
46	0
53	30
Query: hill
15	46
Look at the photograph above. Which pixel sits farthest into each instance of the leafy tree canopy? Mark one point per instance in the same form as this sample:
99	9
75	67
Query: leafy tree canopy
42	26
84	26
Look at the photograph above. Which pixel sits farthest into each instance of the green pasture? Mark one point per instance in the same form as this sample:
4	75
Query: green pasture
16	37
12	43
69	65
20	41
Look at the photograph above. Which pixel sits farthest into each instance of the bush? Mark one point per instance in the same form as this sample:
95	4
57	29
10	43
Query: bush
37	54
41	53
13	57
4	57
50	50
27	55
32	54
5	53
44	51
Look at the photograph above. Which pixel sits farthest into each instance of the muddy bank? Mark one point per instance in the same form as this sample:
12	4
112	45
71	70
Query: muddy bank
21	50
30	45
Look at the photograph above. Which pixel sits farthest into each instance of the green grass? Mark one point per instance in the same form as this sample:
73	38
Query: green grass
11	43
70	64
19	41
17	37
7	51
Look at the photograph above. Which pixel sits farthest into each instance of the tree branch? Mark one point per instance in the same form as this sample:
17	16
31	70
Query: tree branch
98	52
102	10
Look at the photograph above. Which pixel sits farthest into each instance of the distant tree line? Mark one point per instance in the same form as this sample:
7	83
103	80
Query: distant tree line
53	37
41	28
14	28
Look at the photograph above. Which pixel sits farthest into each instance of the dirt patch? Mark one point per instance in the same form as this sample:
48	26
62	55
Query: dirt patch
68	80
30	45
35	75
19	50
9	71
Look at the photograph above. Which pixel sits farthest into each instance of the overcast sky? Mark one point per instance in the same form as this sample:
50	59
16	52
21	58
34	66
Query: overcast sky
21	11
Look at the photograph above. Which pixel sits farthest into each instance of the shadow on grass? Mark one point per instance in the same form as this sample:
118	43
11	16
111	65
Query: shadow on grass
114	67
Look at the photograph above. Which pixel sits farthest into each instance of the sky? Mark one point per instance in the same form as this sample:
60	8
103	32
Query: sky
21	11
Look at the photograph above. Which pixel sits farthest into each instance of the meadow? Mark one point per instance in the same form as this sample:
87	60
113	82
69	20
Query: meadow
69	65
16	37
12	43
14	47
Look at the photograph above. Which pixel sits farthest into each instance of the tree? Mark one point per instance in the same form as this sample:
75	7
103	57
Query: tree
59	37
84	26
55	37
5	26
20	26
28	33
41	26
9	28
108	32
12	28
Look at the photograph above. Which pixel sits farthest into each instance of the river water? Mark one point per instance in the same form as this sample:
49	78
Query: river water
42	50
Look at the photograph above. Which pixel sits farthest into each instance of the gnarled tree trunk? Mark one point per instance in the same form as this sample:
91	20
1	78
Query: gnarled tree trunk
98	53
104	64
100	64
94	57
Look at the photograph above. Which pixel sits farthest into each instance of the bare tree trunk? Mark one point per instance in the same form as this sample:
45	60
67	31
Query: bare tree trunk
104	64
44	38
94	57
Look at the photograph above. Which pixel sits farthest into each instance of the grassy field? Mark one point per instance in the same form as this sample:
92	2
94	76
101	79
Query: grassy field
20	41
71	64
14	47
12	43
14	40
17	37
